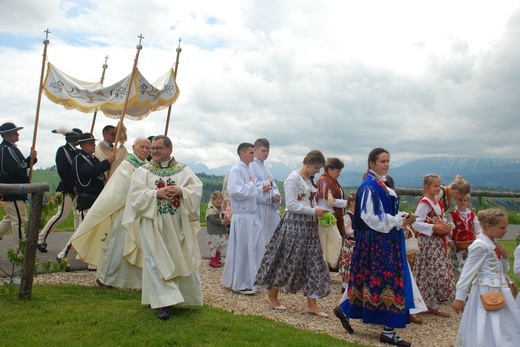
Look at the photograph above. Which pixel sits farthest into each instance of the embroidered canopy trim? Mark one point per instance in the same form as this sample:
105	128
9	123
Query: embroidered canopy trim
145	97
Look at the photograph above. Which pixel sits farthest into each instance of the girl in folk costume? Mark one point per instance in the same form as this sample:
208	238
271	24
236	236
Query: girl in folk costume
293	259
466	229
348	241
485	271
457	189
331	197
432	268
330	194
217	227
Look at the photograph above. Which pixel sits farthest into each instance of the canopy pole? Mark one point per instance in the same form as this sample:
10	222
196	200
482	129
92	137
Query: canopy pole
131	81
179	50
127	97
33	147
101	82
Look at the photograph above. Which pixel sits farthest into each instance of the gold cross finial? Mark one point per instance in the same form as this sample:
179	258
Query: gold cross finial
179	49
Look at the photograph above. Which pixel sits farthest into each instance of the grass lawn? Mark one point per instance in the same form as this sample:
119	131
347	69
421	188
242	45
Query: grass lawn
510	247
65	315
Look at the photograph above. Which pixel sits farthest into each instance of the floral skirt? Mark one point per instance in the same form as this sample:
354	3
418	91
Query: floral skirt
458	259
293	260
433	270
344	258
379	287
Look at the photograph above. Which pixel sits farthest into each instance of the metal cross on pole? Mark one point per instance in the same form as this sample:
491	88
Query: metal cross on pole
104	66
179	50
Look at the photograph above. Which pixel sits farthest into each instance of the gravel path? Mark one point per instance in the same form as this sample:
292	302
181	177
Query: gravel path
435	331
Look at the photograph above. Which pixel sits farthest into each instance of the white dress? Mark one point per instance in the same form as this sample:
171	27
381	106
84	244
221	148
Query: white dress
485	272
516	268
245	246
267	210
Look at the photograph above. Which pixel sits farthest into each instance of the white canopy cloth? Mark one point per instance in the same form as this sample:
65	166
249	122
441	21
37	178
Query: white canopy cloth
87	97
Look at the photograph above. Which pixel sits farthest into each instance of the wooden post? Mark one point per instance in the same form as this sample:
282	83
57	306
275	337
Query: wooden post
474	193
179	50
31	239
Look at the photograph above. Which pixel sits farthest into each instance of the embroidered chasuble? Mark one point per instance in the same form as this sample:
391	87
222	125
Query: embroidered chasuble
168	230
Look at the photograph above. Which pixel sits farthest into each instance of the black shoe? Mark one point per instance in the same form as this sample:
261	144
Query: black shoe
344	320
61	260
162	313
102	285
42	247
396	340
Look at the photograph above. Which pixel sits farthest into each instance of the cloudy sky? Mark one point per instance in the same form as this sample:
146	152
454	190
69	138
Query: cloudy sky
418	78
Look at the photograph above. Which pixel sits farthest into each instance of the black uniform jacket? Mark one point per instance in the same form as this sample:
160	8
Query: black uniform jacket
88	172
13	167
64	159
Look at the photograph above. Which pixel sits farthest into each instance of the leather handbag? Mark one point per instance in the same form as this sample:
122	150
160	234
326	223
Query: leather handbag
493	301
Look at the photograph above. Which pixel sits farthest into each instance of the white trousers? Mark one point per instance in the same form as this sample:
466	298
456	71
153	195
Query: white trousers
15	219
67	204
65	251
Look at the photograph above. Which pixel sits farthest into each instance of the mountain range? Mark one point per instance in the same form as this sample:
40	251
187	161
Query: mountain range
501	174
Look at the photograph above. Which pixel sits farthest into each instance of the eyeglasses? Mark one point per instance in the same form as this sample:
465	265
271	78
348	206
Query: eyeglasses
158	148
112	134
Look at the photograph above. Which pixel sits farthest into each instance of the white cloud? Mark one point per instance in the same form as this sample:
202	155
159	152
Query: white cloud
342	76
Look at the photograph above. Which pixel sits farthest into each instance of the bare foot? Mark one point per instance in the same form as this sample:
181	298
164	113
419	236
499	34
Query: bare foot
275	303
317	312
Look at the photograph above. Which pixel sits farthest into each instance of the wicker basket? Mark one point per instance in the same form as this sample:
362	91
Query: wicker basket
411	243
463	239
461	245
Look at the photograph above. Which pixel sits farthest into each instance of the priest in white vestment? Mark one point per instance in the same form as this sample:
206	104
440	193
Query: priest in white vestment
268	196
101	239
245	250
164	196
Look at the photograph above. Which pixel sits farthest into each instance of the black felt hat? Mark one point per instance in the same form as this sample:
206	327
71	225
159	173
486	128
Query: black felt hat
86	137
8	127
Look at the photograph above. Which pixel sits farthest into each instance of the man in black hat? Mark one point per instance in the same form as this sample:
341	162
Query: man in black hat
89	175
64	158
13	169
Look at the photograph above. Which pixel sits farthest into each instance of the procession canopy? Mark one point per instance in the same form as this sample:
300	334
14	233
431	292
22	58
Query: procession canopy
88	97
